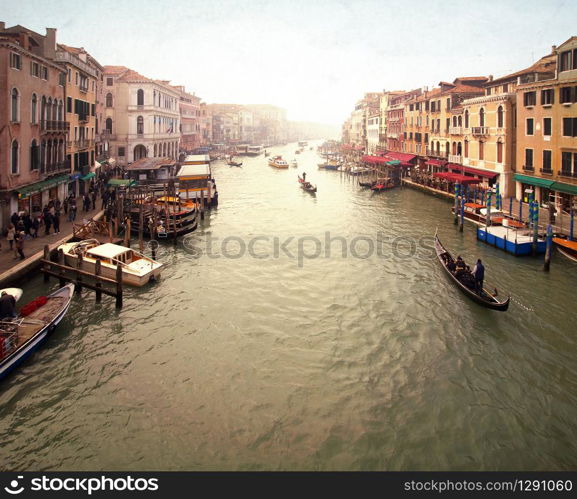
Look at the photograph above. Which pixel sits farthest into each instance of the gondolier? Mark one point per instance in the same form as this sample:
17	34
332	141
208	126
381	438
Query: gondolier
479	273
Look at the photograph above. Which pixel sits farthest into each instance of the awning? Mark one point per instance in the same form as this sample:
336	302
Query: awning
435	162
74	176
457	178
565	188
401	156
538	181
119	182
375	160
25	191
88	176
472	171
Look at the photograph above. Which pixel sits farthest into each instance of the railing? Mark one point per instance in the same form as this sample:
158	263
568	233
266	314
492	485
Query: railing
567	173
436	154
83	89
72	59
480	130
528	168
546	171
83	143
48	126
107	135
456	130
61	166
455	158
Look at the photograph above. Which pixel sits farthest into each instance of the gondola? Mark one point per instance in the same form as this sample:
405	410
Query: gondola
367	184
486	298
234	163
307	186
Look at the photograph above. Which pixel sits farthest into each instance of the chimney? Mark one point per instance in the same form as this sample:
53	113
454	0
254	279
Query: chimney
553	48
50	43
490	77
2	25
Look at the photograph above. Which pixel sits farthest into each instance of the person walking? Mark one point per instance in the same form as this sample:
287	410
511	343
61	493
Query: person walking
65	206
47	220
56	222
11	235
27	224
20	244
93	199
73	209
35	226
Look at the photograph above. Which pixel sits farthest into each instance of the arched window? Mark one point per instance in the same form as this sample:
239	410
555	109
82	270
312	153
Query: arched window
139	152
14	158
34	159
500	117
49	109
33	110
43	156
55	110
499	152
109	125
454	148
454	121
140	125
109	100
60	111
460	121
447	148
481	150
140	97
15	101
155	150
467	119
482	117
466	148
43	111
459	149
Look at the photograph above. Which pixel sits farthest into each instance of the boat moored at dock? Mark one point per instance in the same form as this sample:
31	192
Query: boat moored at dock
137	269
566	247
277	162
515	240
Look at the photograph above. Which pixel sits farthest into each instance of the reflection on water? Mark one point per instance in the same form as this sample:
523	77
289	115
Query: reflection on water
251	359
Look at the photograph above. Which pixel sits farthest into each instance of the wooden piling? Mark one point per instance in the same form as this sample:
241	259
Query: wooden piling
62	281
140	227
547	264
46	257
78	274
97	272
118	286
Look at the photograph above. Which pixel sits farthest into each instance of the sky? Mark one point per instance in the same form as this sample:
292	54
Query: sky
315	58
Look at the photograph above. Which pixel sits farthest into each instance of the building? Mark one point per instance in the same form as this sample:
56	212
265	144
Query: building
189	107
546	98
373	132
142	115
33	166
395	132
384	102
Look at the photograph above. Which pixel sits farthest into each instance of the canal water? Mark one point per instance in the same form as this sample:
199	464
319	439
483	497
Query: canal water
301	332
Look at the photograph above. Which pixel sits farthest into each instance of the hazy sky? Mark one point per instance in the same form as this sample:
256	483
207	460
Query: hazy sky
313	57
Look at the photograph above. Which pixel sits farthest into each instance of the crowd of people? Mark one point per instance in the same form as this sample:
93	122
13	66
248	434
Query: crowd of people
24	226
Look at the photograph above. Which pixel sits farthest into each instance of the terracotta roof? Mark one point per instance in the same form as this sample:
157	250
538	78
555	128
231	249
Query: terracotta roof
465	89
114	69
71	50
546	64
131	75
471	78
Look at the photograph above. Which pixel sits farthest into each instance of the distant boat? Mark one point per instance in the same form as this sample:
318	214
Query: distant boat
278	162
21	336
307	186
234	163
294	163
303	143
566	247
331	164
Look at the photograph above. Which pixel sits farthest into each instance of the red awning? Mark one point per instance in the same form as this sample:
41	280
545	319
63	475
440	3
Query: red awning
375	160
472	171
455	177
435	162
401	156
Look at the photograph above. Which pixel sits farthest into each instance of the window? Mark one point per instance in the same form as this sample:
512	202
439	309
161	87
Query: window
500	120
481	117
529	128
34	69
568	60
76	78
92	109
140	97
448	104
108	100
546	126
108	82
33	109
15	101
499	152
466	148
488	91
121	151
68	104
547	97
529	98
14	158
140	125
34	156
15	61
529	159
546	161
467	119
566	163
505	88
62	79
481	150
568	95
44	73
109	125
569	127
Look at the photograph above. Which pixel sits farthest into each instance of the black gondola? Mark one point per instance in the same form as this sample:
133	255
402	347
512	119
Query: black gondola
234	163
307	186
467	286
367	184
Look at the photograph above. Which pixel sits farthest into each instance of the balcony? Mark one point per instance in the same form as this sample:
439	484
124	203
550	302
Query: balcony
546	171
456	130
72	59
83	119
528	168
480	130
83	143
107	135
62	166
435	154
568	173
54	126
83	89
455	158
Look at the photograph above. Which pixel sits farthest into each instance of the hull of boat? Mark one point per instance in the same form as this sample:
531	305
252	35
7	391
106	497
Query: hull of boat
29	347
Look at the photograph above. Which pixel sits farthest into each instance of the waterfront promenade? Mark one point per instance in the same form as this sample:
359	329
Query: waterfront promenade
12	268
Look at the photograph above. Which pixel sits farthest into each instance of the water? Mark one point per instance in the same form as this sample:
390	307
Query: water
328	363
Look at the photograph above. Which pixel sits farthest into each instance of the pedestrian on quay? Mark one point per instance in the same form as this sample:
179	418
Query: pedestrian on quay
86	202
27	224
20	244
56	222
105	198
10	235
35	226
73	209
94	199
65	206
14	218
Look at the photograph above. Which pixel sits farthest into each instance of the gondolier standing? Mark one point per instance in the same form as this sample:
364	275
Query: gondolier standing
479	273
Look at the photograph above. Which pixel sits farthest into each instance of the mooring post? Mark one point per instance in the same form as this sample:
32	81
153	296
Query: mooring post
61	269
535	226
118	286
548	249
79	275
46	265
462	217
457	190
571	224
97	273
